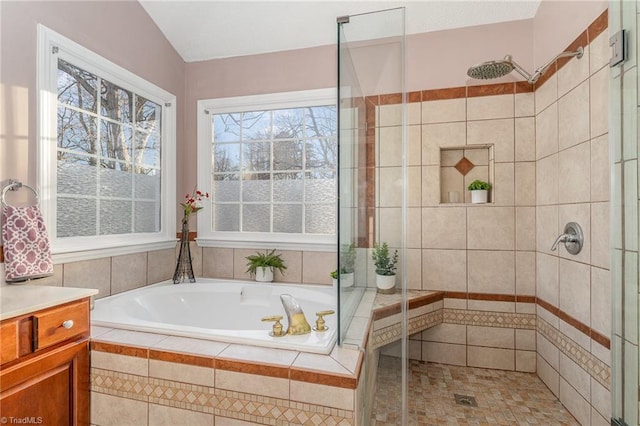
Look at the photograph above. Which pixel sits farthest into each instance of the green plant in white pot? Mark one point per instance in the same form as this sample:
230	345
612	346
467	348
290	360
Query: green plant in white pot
479	191
385	264
348	257
334	275
261	265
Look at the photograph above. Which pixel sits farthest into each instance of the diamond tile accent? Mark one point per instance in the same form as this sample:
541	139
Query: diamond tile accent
464	166
600	371
489	319
242	406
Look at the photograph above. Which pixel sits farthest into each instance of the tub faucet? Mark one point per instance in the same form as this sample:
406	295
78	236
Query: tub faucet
297	322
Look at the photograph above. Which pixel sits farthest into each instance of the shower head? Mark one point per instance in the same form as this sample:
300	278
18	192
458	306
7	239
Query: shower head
490	69
497	69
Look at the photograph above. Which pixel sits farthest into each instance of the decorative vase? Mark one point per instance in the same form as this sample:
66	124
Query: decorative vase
479	196
184	268
264	274
386	283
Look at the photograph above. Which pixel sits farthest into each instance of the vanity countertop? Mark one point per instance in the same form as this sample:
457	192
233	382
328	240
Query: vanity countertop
20	299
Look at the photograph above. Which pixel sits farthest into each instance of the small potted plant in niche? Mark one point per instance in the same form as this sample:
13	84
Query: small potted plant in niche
261	265
347	264
479	191
385	263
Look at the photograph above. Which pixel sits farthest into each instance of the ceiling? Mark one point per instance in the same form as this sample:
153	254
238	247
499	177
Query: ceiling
212	29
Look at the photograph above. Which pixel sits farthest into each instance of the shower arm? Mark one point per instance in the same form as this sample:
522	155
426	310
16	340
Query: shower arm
532	78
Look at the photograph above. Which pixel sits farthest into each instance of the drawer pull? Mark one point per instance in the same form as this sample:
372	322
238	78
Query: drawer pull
67	324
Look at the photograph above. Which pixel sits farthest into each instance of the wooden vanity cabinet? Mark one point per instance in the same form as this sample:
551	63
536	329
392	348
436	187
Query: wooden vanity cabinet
44	375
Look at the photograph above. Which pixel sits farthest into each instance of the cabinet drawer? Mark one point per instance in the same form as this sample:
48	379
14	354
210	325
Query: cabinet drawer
9	341
62	323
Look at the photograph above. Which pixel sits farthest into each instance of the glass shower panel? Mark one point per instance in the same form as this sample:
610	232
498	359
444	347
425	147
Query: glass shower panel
624	220
371	78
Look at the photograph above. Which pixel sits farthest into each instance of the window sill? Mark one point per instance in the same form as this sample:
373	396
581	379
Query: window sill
327	246
78	253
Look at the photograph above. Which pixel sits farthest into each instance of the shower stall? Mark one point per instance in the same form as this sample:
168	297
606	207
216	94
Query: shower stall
375	206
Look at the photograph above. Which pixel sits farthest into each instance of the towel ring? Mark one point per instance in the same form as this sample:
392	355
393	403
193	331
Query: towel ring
14	185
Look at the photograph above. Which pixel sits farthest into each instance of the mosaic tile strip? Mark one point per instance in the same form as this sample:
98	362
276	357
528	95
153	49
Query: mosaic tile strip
393	332
489	319
242	406
600	371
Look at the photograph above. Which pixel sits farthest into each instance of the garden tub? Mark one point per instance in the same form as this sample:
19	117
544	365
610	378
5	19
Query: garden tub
222	310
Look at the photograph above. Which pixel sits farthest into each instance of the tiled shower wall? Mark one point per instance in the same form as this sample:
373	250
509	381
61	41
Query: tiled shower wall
483	256
572	185
551	167
112	275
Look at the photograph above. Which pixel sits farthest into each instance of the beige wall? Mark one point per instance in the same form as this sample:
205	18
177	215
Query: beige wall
572	185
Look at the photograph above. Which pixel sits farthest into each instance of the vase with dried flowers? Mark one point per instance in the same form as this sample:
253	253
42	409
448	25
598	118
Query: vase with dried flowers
191	205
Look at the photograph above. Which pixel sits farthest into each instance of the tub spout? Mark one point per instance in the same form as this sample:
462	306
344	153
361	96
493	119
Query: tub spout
297	322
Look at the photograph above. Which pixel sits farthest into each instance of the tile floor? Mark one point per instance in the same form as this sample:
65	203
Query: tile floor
503	397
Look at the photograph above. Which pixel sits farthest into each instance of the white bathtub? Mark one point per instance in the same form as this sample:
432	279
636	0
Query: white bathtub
222	310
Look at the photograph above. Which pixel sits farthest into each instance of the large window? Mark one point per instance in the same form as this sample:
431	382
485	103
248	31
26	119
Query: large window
271	168
105	171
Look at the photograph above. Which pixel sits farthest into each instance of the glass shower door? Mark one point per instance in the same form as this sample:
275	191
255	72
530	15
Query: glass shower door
624	219
371	77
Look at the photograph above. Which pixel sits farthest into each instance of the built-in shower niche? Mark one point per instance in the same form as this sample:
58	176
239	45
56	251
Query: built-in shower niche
459	166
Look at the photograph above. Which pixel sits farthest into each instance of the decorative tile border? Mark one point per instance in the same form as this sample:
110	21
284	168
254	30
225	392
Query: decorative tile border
419	323
237	405
597	369
393	332
490	319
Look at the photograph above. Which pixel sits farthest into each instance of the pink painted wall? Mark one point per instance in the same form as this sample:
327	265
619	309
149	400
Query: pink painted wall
558	23
440	59
119	31
302	69
123	33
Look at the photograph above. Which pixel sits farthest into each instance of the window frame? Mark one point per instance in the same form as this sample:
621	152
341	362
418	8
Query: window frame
283	100
51	47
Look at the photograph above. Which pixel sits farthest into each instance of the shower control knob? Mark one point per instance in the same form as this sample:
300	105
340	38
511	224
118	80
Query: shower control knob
67	324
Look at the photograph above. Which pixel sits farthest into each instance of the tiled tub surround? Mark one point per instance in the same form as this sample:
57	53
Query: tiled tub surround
113	275
551	167
157	379
153	375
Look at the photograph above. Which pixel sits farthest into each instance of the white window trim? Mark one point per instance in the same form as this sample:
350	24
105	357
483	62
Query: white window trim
208	107
84	248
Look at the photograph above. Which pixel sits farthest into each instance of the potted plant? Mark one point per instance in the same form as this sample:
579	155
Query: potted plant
261	265
385	263
479	191
347	264
344	277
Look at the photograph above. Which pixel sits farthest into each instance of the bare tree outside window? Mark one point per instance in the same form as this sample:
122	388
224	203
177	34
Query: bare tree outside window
108	155
275	171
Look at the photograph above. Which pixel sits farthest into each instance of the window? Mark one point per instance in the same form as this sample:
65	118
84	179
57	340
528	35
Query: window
270	167
106	140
